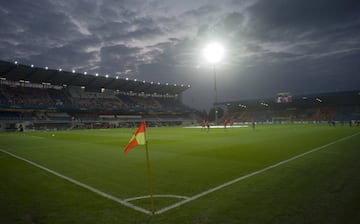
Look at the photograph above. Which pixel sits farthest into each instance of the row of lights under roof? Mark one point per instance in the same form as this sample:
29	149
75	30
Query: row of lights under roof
106	76
317	99
158	83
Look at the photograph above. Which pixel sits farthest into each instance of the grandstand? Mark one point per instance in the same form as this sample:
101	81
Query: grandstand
338	107
41	98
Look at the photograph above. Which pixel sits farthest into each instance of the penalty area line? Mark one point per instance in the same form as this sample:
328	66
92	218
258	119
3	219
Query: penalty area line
192	198
92	189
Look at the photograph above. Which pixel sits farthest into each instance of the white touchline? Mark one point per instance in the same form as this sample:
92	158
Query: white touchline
249	175
125	203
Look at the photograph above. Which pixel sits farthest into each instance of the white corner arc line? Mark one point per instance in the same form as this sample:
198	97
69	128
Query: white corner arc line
92	189
192	198
156	196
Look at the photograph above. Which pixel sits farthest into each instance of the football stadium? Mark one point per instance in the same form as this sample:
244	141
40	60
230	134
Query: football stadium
279	159
179	112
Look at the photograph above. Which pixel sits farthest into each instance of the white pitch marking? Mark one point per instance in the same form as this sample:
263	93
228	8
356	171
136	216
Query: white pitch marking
157	196
187	199
123	202
192	198
35	137
219	126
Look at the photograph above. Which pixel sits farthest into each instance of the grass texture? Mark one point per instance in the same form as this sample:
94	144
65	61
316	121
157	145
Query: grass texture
320	187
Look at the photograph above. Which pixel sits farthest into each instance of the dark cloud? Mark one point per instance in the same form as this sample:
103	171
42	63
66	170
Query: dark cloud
119	59
271	46
299	14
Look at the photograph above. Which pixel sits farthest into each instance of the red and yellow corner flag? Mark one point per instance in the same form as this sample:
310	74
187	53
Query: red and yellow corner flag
138	138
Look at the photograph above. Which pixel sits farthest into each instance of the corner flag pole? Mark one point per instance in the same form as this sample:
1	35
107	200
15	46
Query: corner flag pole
150	178
139	138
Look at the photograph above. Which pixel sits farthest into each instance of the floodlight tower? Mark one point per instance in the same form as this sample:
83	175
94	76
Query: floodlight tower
213	53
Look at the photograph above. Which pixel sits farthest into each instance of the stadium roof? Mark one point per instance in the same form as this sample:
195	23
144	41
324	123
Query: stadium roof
17	72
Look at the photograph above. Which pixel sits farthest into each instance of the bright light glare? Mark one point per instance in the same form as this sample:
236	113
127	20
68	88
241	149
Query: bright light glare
214	52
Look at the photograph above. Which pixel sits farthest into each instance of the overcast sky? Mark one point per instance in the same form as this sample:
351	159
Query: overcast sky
271	46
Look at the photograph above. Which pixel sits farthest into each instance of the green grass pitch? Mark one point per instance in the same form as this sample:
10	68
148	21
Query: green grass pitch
320	187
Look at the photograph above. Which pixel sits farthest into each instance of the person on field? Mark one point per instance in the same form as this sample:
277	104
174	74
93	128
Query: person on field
207	124
253	124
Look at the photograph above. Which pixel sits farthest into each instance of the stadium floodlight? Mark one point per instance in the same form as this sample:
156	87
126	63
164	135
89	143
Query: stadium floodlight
73	71
213	53
97	74
32	66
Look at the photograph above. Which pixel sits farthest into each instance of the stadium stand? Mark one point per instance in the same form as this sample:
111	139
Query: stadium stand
43	99
339	107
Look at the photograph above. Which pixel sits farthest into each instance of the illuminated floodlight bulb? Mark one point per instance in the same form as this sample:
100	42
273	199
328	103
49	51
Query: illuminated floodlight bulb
214	52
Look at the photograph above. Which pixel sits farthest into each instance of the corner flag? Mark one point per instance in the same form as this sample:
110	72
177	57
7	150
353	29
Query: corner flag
138	138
